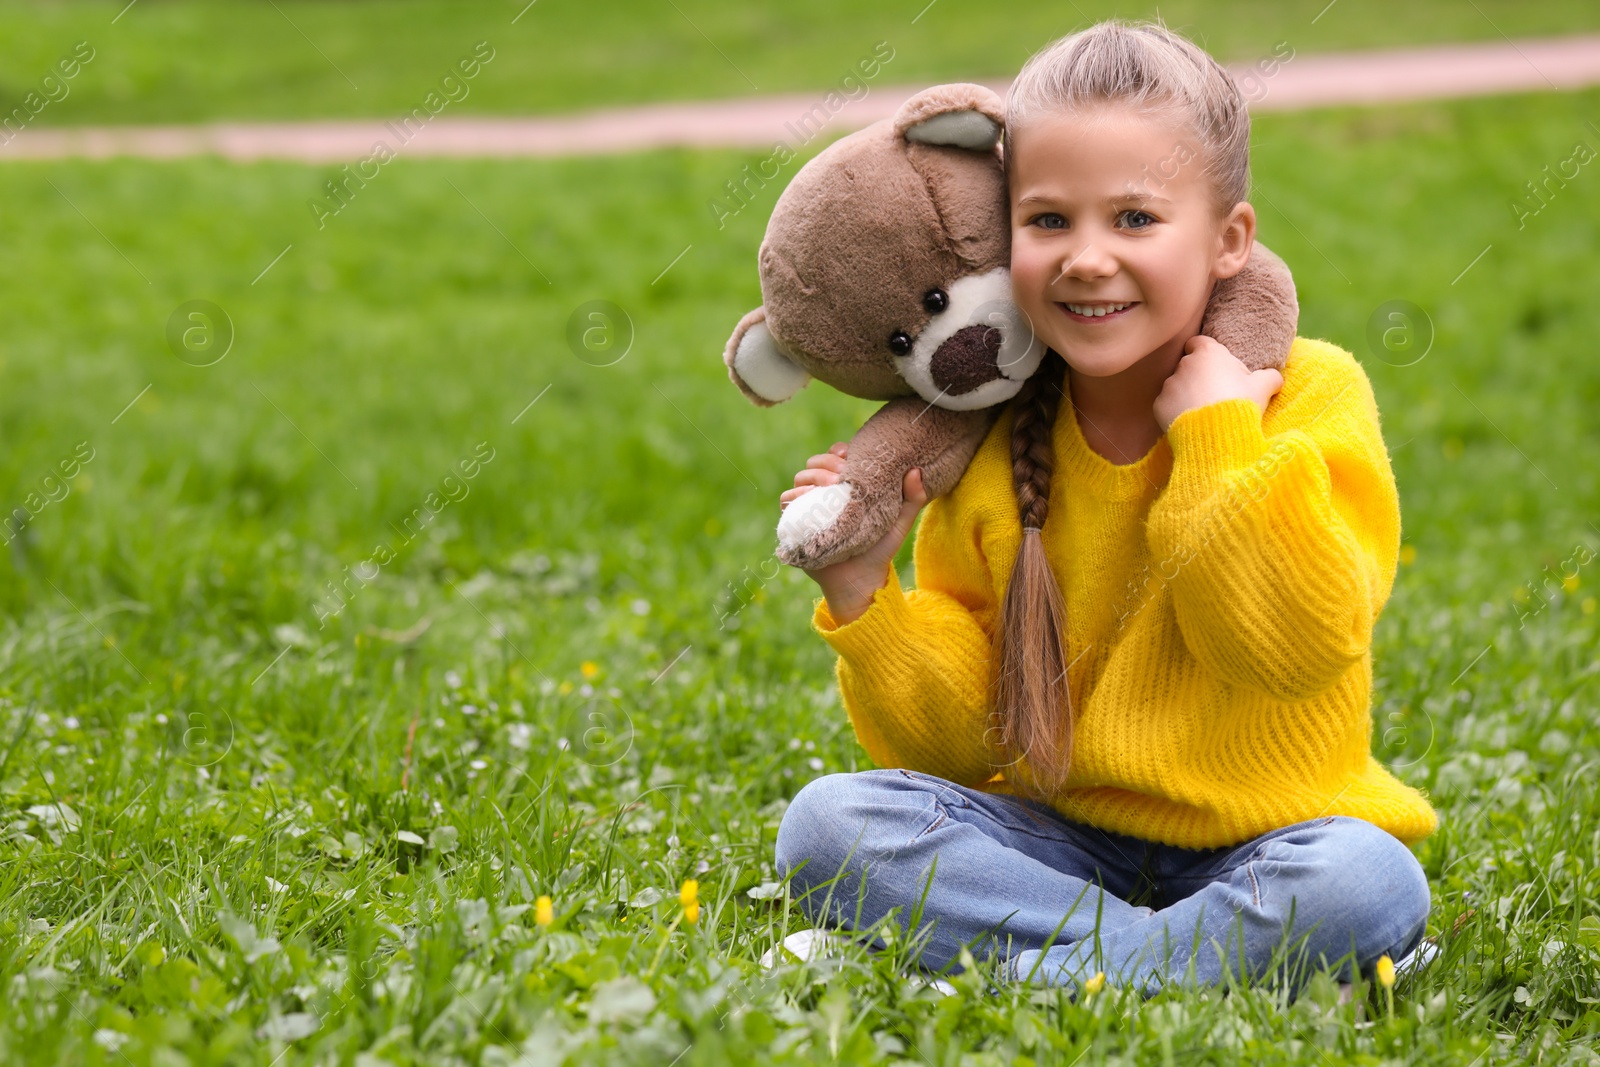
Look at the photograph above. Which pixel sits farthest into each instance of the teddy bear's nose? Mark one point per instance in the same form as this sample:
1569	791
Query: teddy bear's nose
967	359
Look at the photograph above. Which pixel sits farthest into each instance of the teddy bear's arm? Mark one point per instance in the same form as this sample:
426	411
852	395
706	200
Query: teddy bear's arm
1255	313
835	522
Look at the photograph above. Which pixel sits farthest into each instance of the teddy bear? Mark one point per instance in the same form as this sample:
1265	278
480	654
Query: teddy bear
885	274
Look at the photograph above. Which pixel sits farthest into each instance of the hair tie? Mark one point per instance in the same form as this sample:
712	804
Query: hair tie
1033	529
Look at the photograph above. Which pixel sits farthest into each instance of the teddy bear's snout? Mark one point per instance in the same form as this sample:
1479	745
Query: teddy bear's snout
967	359
977	351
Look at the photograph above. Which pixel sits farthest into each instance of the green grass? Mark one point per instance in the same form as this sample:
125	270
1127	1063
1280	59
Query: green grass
204	791
192	60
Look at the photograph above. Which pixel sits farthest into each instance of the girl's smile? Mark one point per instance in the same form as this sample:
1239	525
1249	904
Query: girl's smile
1094	314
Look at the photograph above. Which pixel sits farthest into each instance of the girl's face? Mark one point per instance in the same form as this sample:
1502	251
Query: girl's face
1115	239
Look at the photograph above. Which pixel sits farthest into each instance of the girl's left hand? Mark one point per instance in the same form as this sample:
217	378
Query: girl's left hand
1207	373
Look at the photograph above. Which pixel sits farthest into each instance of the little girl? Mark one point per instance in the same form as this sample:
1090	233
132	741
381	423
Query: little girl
1127	709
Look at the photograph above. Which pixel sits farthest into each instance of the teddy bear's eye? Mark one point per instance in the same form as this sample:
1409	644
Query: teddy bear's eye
935	300
900	343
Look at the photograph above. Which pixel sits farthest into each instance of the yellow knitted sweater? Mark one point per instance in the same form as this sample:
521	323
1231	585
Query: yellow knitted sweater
1221	594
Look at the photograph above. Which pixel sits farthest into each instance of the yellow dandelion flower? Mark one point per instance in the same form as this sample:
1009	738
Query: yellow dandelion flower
564	688
1588	605
689	897
1385	971
1095	984
589	668
1408	554
1570	583
544	912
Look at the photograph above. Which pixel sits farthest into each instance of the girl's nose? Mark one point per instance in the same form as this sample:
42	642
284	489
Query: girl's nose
1088	262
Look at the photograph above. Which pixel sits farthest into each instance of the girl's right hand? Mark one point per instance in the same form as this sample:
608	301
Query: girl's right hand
849	584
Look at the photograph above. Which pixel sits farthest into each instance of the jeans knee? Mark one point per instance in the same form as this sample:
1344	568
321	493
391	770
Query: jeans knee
1374	887
1409	900
819	828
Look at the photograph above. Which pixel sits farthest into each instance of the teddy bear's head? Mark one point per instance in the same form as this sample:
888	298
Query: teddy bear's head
885	267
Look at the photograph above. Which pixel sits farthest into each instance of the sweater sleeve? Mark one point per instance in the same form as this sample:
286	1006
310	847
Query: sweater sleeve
913	668
1280	551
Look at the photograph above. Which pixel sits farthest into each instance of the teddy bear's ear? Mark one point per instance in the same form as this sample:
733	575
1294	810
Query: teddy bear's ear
962	115
758	366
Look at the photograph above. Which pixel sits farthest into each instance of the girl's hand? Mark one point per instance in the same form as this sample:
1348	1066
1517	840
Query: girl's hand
1207	373
849	584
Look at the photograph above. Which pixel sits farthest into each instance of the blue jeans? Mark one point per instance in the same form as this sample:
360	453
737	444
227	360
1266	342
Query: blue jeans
1058	901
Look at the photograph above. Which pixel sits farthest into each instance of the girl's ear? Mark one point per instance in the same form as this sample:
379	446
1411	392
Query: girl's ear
758	365
1235	241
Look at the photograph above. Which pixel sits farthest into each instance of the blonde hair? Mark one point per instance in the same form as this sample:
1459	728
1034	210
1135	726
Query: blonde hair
1146	66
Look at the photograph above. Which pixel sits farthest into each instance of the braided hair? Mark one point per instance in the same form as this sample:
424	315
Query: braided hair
1029	696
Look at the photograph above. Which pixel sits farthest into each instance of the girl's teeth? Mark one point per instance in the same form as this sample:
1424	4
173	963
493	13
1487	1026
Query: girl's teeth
1095	311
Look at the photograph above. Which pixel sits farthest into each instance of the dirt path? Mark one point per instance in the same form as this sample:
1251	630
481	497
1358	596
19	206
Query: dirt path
1550	64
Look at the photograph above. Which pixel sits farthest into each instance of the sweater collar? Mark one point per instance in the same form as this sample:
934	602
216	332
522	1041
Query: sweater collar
1097	474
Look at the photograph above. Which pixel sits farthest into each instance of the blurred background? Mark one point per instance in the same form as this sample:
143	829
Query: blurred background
391	502
181	61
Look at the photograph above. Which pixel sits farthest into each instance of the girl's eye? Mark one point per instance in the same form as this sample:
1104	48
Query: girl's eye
1138	220
1049	221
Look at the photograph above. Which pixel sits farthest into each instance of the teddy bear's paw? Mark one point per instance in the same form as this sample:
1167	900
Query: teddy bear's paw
812	515
828	525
